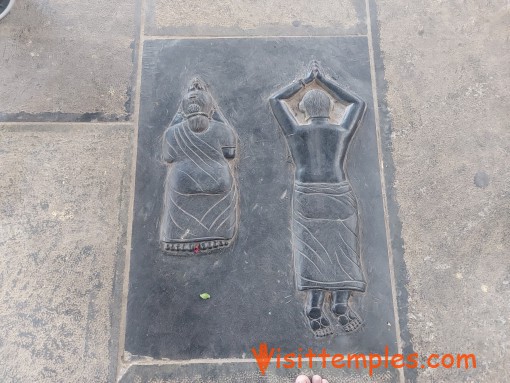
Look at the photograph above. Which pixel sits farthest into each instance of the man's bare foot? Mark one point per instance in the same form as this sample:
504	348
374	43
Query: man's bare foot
347	317
306	379
319	323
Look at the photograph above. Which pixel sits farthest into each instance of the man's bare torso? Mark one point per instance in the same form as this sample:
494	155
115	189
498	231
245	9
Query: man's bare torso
318	151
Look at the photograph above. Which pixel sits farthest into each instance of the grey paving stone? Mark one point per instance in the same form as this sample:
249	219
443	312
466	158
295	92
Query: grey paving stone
67	56
448	76
63	214
248	372
247	17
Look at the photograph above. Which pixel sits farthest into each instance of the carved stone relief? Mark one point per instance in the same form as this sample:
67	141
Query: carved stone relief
324	208
288	221
200	198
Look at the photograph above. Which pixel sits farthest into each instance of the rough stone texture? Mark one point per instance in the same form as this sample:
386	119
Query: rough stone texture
448	75
248	372
62	234
248	17
66	56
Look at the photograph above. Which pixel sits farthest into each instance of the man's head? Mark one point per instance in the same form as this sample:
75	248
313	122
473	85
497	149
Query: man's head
315	103
197	101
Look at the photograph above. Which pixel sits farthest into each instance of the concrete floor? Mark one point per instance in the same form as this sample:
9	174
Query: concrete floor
68	90
448	91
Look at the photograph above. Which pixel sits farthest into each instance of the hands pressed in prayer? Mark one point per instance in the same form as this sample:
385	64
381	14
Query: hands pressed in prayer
312	75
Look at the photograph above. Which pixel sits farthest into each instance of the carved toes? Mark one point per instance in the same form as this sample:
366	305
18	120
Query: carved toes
350	322
321	333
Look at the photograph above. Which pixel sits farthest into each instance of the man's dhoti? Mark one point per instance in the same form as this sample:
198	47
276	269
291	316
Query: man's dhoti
325	237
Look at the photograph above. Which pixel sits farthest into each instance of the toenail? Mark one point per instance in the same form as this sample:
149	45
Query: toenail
302	379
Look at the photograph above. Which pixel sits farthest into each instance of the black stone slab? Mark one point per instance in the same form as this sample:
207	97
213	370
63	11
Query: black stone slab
251	283
246	372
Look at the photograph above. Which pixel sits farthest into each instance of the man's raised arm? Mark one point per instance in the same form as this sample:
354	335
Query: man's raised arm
280	110
354	112
285	119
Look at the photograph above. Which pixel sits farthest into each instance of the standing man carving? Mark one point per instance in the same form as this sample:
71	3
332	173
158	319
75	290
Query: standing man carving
325	214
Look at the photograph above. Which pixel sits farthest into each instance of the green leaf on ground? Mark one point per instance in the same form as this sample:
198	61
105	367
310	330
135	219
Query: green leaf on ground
205	296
